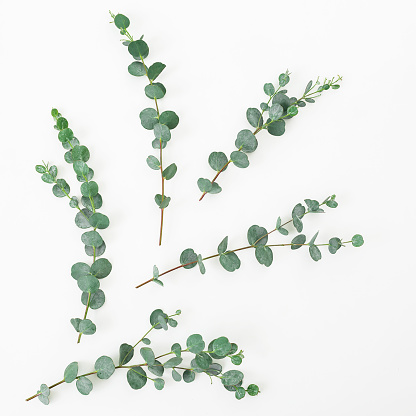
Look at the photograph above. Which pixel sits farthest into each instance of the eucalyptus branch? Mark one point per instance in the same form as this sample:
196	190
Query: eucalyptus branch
151	119
137	377
282	108
87	276
258	240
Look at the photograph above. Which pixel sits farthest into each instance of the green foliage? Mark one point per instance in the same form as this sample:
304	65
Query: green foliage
137	69
217	161
126	353
138	49
84	386
104	367
195	343
170	172
239	159
155	70
121	21
357	240
136	378
148	355
246	141
71	372
298	241
230	261
257	236
264	255
254	117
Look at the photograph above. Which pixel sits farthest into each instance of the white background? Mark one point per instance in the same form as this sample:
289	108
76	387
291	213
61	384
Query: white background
335	337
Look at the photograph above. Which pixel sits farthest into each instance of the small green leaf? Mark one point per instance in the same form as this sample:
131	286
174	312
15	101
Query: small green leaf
157	369
188	376
154	318
298	224
75	323
65	135
284	79
334	245
222	248
146	341
203	360
92	238
148	355
97	299
74	203
313	206
221	346
312	242
315	253
80	153
153	162
61	188
84	385
240	159
357	240
138	48
236	360
137	69
292	110
201	264
136	378
155	90
269	89
48	178
240	393
308	87
169	119
189	256
195	343
218	161
43	399
176	348
276	128
335	86
87	327
298	241
176	376
159	383
97	201
254	117
81	168
121	21
40	169
173	362
246	141
100	221
148	118
253	390
44	389
101	268
214	369
162	132
95	251
275	111
155	70
264	255
88	283
104	367
71	372
155	272
215	188
170	171
162	202
257	235
89	189
232	377
157	144
61	123
230	261
204	185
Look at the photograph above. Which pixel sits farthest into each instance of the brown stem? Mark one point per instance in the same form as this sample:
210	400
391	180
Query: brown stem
50	387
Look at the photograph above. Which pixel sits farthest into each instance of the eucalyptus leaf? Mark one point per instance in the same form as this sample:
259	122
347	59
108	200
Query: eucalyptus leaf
155	70
195	343
84	385
97	299
100	221
104	367
126	353
170	171
188	256
136	377
240	159
149	118
254	117
264	255
169	118
222	248
218	161
246	141
298	241
257	235
71	372
230	261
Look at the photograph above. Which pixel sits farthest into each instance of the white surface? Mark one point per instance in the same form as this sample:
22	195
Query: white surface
330	338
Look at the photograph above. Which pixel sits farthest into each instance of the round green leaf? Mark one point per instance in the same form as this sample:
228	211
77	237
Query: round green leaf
254	117
204	185
201	264
188	256
214	369
264	255
246	141
84	385
217	161
155	318
169	118
101	268
79	269
155	90
75	323
292	110
157	143
283	79
136	69
203	360
298	241
43	399
162	202
40	169
281	99
92	238
88	283
138	48
44	389
159	383
236	360
173	362
96	199
315	253
82	218
334	245
98	220
65	135
87	327
126	353
215	188
81	168
89	189
61	123
230	261
71	372
176	376
48	178
176	348
97	299
357	240
240	393
61	188
153	162
99	251
148	355
240	159
155	70
104	367
162	132
121	21
188	376
275	111
253	390
268	89
277	128
73	203
257	235
221	346
157	369
148	118
195	343
136	377
232	378
80	153
170	171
